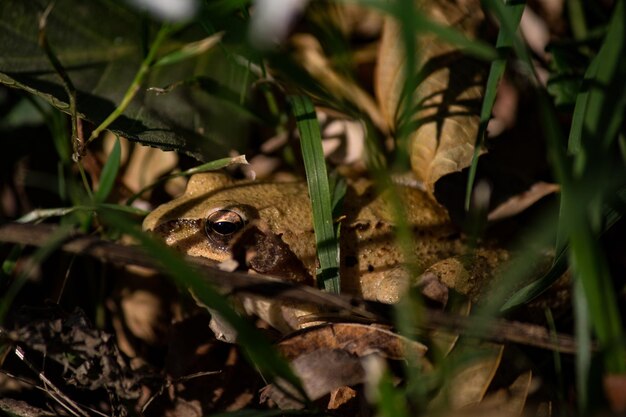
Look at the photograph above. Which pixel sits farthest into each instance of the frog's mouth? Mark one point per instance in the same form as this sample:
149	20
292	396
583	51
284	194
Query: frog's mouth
265	252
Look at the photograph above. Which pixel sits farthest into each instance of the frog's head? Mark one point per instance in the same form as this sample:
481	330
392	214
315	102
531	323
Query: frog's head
266	225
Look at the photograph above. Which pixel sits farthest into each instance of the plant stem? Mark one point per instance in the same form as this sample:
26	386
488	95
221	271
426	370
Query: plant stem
164	31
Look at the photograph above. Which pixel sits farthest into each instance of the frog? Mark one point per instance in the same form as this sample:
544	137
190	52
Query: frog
267	227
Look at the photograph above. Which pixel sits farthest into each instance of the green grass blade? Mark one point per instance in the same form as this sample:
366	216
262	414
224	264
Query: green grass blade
503	44
588	261
600	107
583	343
577	19
506	17
611	215
591	268
319	191
189	50
256	347
598	116
109	173
391	399
538	287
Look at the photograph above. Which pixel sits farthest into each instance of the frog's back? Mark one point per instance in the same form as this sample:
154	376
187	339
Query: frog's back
370	258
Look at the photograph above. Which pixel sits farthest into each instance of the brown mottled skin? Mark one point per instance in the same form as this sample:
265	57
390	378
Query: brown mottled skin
278	237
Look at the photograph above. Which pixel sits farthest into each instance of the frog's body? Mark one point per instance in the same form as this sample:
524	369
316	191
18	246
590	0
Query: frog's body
371	262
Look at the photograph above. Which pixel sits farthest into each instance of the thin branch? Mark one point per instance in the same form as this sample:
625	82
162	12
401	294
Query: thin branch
259	286
42	39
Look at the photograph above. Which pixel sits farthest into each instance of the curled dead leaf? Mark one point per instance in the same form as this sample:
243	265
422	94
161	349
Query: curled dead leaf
330	356
357	339
447	100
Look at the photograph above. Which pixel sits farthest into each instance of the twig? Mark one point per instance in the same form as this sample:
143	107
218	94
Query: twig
497	330
51	389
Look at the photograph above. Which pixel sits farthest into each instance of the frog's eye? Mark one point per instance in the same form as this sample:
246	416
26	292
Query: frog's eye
222	224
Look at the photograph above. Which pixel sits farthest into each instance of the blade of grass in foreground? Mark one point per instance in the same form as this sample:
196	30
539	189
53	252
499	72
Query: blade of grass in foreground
319	191
576	225
109	173
604	98
257	348
529	292
594	130
503	44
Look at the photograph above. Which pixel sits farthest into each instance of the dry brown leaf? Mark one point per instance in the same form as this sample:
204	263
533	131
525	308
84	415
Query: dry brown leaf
389	75
467	387
340	397
615	391
320	371
445	341
329	356
325	370
448	98
357	19
521	202
357	339
508	401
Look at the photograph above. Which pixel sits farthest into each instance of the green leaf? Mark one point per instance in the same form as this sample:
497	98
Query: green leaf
189	51
566	73
600	107
319	191
391	400
102	60
109	173
598	116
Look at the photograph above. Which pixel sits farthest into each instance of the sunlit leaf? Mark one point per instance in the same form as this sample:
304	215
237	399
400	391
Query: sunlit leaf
442	114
